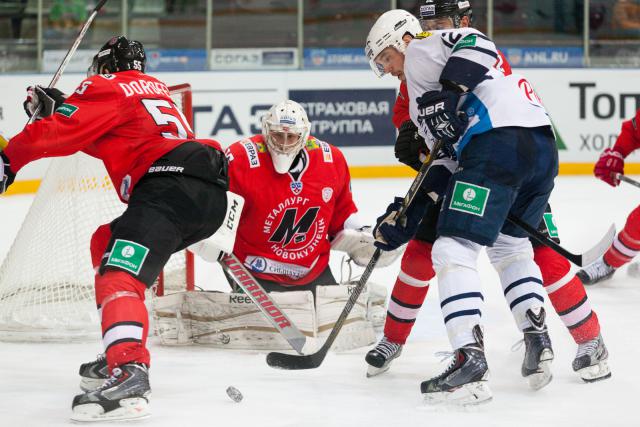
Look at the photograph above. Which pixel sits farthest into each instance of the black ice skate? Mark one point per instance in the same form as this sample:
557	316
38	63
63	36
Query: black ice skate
465	382
597	272
538	354
94	374
123	396
380	358
591	360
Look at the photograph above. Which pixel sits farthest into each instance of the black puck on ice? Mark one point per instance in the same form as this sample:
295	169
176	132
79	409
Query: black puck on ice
234	394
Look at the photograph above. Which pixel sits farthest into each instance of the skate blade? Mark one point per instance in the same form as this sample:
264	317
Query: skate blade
130	409
90	384
543	376
594	373
467	395
372	371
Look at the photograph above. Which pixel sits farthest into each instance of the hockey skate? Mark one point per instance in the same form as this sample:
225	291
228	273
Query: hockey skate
123	396
591	360
597	272
380	357
465	381
94	374
538	354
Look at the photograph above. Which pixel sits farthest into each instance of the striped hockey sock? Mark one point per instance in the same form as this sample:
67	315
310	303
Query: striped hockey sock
409	291
567	295
626	245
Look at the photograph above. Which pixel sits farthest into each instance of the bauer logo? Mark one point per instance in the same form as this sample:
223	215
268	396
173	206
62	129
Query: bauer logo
551	224
469	198
128	256
67	110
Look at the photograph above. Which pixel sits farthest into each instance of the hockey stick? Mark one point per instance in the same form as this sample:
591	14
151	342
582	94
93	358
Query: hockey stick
311	361
628	180
69	54
261	298
580	260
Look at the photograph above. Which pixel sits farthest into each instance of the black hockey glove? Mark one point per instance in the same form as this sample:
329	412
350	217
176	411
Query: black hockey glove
49	99
6	174
410	147
390	234
439	111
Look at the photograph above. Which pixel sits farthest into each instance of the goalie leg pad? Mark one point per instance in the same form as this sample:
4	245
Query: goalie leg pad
409	291
125	323
567	295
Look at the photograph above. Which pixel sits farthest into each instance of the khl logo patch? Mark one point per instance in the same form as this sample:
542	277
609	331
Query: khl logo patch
128	255
469	198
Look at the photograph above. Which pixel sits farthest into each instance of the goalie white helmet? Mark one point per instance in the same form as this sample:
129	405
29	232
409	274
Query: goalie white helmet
388	31
285	128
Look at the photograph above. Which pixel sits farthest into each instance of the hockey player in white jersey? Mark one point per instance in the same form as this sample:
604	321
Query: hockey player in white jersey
497	129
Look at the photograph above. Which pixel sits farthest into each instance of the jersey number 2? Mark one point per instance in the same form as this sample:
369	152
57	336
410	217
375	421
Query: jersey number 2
164	117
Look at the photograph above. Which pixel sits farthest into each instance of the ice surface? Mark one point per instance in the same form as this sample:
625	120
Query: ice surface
38	381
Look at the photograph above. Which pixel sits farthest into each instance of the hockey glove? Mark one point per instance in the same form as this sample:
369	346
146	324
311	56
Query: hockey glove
48	99
391	234
610	163
410	147
6	174
439	111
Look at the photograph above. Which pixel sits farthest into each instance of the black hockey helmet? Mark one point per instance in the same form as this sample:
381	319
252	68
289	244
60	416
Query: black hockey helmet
454	9
118	54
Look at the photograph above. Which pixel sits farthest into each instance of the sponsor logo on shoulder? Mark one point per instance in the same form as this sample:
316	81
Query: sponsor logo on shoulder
468	41
469	198
252	154
311	143
67	110
326	152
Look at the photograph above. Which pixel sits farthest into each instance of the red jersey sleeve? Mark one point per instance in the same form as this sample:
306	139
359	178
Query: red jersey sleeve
629	138
345	207
86	115
401	107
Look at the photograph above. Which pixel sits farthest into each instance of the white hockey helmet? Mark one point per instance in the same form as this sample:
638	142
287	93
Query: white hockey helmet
388	31
285	128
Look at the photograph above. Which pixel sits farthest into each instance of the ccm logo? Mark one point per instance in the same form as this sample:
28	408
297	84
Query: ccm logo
232	215
432	109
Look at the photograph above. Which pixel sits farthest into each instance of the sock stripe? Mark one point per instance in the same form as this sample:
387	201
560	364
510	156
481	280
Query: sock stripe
120	341
575	307
474	312
524	298
560	283
520	282
582	322
404	304
412	281
461	296
125	323
398	319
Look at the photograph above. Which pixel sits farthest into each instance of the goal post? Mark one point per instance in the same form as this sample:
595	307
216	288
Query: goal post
47	278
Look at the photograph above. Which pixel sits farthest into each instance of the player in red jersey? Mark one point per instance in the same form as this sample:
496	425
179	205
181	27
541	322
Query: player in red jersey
627	243
565	290
175	187
298	199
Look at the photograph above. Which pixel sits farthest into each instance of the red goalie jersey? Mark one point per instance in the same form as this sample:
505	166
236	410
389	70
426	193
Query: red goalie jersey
126	119
287	218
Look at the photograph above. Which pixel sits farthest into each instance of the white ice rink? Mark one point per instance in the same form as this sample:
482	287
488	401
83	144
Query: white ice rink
38	381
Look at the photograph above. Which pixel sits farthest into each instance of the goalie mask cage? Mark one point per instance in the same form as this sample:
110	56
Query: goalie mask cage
46	279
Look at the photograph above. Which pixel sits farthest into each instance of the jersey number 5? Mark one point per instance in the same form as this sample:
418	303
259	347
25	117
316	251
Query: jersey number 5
169	114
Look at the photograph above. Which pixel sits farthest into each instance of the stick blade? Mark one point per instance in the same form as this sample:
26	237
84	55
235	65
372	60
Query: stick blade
595	253
293	361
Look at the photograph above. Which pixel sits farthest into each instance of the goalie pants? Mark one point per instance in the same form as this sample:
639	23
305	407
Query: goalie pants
166	213
565	291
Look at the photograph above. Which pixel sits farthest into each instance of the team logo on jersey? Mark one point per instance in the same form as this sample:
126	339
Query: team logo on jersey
289	230
326	152
469	198
261	147
551	224
296	187
298	168
252	154
312	144
67	110
128	255
327	192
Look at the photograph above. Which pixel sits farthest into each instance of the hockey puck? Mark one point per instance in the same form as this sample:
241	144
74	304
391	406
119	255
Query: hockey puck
234	394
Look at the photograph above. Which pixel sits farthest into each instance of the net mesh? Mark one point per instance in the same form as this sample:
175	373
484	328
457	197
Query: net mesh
46	279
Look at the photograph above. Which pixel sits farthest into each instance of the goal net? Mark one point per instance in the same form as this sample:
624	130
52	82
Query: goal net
46	279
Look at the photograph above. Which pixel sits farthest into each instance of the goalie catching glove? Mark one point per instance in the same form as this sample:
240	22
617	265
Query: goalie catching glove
47	99
358	244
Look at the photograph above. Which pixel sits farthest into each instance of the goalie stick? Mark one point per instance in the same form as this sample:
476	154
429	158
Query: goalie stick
263	301
311	361
628	180
70	52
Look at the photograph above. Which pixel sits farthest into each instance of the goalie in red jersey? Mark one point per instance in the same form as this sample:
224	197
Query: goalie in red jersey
175	187
564	289
627	243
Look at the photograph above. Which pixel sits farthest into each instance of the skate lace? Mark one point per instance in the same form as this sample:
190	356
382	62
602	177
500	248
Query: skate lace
115	375
444	355
387	348
588	348
598	269
101	357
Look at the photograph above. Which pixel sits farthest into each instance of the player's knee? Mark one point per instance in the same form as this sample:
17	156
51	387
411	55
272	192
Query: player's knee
453	252
99	242
553	266
632	227
417	258
115	284
508	249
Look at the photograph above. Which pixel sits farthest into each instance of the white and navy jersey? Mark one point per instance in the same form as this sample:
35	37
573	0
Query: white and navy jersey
467	57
